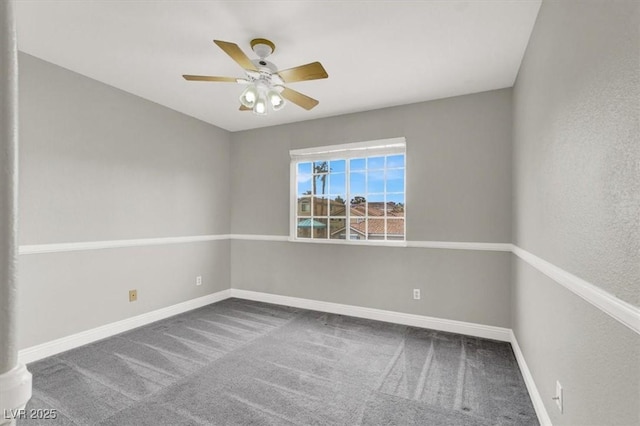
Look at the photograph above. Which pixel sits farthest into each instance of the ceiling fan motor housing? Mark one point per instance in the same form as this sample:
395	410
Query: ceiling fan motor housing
262	47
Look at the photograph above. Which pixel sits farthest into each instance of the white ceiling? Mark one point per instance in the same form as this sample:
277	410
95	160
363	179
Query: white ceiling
377	53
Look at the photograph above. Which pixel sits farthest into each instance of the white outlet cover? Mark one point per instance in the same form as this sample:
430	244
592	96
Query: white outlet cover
416	293
198	280
559	395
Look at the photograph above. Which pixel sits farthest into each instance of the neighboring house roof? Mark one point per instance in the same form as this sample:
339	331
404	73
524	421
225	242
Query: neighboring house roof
375	227
307	223
378	209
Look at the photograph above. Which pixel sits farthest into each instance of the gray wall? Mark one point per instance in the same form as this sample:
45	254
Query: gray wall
458	189
577	204
97	164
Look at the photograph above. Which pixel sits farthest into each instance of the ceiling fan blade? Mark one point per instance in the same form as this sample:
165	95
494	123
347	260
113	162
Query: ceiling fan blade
312	71
236	54
244	108
212	78
299	99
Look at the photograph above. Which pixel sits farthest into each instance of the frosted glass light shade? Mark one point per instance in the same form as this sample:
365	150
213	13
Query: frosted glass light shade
249	97
260	107
276	101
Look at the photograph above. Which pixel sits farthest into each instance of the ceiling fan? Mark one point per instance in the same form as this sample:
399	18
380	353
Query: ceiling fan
265	83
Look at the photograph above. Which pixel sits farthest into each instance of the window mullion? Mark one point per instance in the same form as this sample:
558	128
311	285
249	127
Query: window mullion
384	198
347	188
366	199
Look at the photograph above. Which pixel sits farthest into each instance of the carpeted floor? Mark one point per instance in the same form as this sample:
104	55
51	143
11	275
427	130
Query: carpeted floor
238	362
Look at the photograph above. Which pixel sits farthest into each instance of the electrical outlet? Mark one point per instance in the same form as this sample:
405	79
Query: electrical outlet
416	294
558	397
198	280
133	295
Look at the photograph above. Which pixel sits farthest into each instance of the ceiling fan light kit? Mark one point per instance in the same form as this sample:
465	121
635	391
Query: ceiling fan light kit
265	84
260	93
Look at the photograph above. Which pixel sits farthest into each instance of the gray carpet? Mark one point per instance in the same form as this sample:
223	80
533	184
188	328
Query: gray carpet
239	362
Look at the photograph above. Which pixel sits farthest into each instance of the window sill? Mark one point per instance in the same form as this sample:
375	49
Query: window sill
349	242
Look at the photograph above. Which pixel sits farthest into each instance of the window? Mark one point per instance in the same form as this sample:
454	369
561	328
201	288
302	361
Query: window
353	192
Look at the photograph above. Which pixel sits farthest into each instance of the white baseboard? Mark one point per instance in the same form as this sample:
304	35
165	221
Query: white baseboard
536	399
470	329
53	347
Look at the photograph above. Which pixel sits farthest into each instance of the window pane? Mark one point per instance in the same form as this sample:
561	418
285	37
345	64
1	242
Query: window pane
304	179
337	205
357	183
358	205
321	167
304	169
357	164
395	180
304	228
304	188
375	205
394	161
337	183
320	205
319	228
304	206
375	163
395	229
337	166
358	229
375	229
375	182
320	184
395	205
337	230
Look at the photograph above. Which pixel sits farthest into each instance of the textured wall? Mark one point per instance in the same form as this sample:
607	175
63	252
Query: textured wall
99	164
563	337
8	188
458	189
577	204
577	143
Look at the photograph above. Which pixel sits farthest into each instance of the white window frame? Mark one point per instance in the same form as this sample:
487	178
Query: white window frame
345	152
